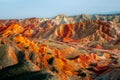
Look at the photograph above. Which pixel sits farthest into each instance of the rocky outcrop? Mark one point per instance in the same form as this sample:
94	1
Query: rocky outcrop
7	56
83	47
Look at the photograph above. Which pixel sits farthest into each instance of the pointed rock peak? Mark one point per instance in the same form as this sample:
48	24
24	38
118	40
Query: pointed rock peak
63	19
43	19
85	16
62	15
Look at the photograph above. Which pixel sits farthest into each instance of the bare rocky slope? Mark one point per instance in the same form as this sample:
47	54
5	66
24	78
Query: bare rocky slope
83	47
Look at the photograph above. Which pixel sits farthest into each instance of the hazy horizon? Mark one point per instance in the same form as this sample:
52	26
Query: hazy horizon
11	9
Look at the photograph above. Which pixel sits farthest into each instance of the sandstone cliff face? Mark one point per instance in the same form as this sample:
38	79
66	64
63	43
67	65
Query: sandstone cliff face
62	48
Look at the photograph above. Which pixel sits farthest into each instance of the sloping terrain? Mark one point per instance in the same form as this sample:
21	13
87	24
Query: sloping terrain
62	48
